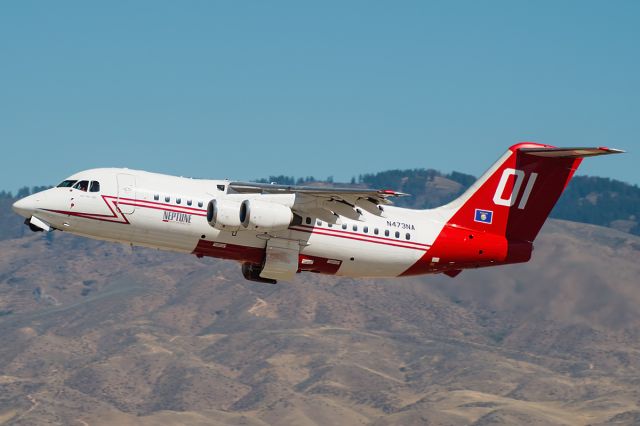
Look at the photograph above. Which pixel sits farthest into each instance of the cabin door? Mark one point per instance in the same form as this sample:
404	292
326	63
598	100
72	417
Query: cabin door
126	193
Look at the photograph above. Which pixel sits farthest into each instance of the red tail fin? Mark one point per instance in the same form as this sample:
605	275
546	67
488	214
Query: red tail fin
496	220
515	196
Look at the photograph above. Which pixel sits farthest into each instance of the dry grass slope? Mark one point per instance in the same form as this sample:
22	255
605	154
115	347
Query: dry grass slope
97	333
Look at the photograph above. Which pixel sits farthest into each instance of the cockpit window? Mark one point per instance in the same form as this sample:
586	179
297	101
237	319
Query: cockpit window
67	184
83	185
95	186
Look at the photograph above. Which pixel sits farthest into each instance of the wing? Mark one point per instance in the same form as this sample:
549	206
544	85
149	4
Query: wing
326	203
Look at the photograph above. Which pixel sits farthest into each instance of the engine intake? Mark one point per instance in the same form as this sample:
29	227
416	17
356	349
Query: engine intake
224	215
263	215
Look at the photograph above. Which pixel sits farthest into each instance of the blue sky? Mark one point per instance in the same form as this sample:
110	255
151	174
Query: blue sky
244	90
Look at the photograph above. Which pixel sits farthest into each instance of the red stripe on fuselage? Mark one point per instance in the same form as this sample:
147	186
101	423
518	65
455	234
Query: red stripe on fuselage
344	232
358	237
114	218
159	204
175	209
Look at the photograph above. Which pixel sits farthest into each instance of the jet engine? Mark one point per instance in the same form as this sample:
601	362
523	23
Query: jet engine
263	215
224	215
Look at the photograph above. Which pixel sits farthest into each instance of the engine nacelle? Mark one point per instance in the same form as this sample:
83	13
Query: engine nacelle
224	215
263	215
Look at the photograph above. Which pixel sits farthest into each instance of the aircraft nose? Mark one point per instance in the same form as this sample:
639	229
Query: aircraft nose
25	206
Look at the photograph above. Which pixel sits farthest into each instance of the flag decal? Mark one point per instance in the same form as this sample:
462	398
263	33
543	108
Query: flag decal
483	216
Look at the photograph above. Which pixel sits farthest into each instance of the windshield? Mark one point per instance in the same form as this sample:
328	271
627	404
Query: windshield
67	183
83	185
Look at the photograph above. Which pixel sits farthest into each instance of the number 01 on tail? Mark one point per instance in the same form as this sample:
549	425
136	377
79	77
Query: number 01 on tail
508	200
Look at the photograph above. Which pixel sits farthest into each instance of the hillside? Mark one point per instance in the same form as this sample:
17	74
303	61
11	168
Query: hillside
99	333
102	333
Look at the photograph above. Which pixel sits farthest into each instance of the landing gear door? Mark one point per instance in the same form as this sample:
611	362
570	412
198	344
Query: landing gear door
281	260
126	193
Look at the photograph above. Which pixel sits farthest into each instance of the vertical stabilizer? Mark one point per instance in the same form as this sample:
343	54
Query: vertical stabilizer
496	220
515	196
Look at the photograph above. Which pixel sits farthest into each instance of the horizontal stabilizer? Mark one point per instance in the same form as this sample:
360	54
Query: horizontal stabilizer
569	152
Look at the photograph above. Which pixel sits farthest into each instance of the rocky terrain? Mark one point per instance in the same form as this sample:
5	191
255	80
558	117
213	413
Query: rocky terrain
100	333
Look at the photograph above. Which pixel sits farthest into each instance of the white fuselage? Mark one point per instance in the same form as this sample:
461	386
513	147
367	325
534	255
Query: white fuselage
169	213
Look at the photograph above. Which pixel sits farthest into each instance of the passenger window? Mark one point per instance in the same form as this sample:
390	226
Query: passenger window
386	232
330	225
308	221
156	197
83	185
188	202
375	231
344	226
199	203
67	183
408	236
355	228
397	234
167	199
297	220
95	186
365	229
319	223
178	200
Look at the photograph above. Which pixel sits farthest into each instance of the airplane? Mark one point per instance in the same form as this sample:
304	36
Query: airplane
276	231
